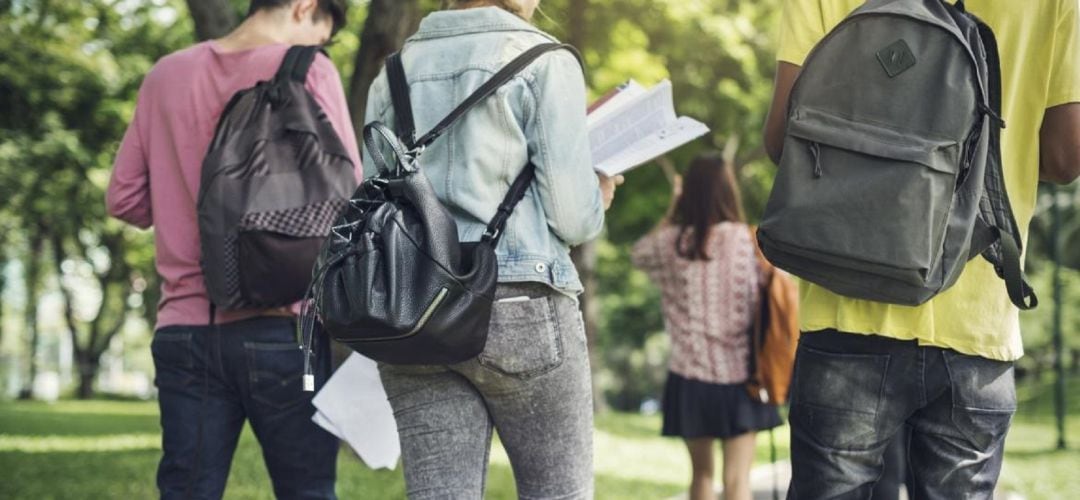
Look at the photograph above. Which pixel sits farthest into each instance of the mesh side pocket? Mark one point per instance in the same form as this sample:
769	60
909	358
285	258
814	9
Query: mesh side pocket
307	221
230	269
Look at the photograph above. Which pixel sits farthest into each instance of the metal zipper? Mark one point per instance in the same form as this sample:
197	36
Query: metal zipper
429	312
420	324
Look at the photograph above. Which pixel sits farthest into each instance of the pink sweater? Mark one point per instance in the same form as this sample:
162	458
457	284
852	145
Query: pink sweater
708	304
155	180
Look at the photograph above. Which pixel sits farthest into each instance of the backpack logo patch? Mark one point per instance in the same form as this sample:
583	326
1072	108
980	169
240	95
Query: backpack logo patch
896	58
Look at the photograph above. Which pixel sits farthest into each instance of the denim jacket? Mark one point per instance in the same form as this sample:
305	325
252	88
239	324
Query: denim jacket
538	116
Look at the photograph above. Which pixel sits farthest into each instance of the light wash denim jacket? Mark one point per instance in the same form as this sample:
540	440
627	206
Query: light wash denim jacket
538	116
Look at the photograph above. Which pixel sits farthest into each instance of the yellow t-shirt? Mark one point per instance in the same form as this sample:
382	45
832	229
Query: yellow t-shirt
1039	42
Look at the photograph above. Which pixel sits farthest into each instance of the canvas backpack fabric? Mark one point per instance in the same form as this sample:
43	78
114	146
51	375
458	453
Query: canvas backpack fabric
393	282
774	334
891	178
274	178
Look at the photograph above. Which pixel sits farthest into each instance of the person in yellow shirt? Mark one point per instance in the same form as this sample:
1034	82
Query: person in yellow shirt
865	369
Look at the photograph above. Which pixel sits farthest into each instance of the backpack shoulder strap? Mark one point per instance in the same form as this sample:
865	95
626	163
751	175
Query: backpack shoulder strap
399	92
399	96
406	128
296	63
1000	226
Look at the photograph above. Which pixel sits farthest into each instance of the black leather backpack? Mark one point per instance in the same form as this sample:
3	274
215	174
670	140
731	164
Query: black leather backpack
393	282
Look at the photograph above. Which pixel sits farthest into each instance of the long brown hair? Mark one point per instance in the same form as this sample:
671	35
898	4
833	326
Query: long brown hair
710	195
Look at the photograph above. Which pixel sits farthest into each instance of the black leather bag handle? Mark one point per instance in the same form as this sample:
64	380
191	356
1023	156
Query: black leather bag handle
399	92
406	128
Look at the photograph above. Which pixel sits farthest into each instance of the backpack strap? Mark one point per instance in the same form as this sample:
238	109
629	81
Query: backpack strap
1001	229
399	96
502	215
297	61
406	128
399	92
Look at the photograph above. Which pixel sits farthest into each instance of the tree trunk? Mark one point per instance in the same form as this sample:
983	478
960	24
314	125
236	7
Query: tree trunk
584	256
213	18
32	276
388	24
88	366
3	286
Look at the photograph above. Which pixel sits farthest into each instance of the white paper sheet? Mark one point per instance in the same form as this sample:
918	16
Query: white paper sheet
353	406
636	126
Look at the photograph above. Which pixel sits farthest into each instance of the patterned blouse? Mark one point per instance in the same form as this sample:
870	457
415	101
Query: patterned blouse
708	304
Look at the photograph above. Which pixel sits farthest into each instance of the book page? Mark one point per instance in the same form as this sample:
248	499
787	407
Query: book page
630	122
673	135
614	101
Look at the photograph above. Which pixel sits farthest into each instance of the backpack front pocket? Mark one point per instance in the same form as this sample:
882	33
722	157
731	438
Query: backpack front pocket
860	196
276	250
275	268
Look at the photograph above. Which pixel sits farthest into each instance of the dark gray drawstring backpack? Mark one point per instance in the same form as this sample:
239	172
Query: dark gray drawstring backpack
891	177
275	177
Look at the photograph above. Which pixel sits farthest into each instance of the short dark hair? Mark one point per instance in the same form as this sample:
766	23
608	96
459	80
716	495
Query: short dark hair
336	9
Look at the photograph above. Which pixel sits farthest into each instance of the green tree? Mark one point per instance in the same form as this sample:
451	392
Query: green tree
68	81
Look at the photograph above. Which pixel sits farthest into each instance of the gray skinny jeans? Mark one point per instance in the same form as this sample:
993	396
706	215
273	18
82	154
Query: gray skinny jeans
532	383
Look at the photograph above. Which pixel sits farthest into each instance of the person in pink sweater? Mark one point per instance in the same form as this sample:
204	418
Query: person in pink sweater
247	366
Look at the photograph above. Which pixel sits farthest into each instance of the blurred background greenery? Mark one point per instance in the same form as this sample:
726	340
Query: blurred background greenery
79	291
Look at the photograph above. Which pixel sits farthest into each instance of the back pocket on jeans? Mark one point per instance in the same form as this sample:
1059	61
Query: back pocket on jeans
523	340
983	398
836	397
174	361
275	372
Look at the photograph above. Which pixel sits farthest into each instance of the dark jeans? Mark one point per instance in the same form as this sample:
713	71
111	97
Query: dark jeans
211	379
895	473
852	393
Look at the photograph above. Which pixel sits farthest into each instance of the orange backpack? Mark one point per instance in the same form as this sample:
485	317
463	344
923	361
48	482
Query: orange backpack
774	334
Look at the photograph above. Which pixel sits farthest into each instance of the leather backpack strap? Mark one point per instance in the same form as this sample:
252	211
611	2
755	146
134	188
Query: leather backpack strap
406	126
399	96
399	92
513	197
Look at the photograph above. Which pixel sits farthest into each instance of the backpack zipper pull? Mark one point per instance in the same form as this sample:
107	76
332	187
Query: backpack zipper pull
994	116
815	151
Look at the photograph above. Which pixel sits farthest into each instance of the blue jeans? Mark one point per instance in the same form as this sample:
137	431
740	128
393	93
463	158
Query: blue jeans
852	393
211	379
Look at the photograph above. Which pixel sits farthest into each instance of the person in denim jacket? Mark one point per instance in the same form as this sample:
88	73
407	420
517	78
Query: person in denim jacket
532	381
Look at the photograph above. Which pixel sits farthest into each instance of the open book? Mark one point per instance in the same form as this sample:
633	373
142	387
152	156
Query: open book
633	125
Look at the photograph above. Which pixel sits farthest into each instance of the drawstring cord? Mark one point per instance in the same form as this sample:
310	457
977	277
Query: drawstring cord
309	315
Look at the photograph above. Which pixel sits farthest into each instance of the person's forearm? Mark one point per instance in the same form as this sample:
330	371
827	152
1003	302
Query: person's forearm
1059	144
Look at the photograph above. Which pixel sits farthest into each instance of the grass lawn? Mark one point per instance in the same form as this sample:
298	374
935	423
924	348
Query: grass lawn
108	449
1033	465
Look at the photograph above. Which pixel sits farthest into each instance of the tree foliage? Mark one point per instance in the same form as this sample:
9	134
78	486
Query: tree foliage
70	71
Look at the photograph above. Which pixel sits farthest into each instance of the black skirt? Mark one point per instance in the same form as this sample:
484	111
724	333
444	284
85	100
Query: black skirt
694	409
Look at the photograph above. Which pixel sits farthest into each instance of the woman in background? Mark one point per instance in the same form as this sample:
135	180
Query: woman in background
704	261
